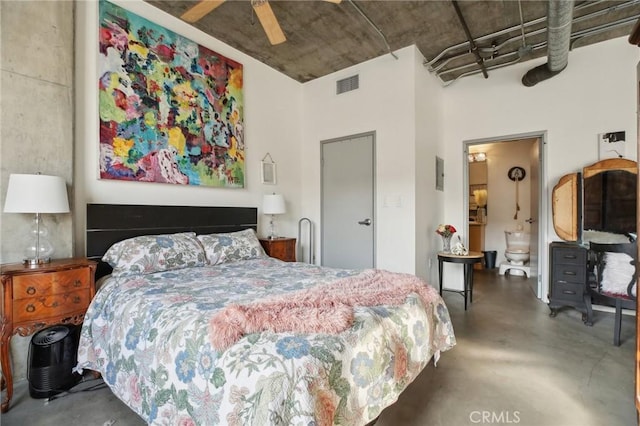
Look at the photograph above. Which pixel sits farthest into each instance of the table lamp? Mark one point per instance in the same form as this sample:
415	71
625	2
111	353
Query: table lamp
273	204
37	194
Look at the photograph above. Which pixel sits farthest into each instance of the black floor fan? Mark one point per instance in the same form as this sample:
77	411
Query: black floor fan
53	354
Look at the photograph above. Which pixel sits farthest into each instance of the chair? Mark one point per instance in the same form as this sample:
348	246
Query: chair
614	270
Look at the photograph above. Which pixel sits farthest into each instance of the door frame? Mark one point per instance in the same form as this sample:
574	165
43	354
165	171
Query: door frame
374	206
543	253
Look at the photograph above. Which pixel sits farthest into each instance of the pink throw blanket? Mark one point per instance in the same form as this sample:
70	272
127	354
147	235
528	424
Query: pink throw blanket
321	309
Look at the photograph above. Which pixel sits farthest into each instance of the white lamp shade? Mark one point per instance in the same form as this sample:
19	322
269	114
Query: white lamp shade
273	204
36	194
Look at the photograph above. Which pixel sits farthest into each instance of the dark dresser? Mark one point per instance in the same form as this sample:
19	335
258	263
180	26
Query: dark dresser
567	277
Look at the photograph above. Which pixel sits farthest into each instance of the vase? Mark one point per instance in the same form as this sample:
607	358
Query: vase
446	243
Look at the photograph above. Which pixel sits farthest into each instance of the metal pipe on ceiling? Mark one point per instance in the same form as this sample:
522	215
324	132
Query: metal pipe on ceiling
375	27
472	43
578	35
574	37
492	36
498	47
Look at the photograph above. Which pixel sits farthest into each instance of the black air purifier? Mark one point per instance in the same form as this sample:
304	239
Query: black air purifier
53	353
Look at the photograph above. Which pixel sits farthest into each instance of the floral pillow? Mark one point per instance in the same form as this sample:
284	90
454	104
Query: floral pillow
154	253
232	246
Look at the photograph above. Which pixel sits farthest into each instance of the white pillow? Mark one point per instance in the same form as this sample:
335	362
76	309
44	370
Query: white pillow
617	273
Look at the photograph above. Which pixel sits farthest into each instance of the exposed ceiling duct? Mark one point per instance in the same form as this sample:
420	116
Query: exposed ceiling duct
559	19
323	38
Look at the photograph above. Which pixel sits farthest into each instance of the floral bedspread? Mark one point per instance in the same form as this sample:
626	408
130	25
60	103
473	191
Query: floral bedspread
148	337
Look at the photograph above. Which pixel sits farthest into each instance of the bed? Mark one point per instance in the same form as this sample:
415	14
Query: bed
196	325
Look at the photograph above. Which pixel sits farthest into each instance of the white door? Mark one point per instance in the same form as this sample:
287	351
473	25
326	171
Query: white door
348	223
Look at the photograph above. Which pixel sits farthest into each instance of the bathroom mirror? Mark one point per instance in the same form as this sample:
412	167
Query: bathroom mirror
598	204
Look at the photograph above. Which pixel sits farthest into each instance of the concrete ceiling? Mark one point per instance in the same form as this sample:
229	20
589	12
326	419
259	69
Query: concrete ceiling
323	37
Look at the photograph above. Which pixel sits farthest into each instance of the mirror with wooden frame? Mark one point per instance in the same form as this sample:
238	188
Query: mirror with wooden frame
599	204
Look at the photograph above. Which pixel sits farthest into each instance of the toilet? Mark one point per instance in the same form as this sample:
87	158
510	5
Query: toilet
517	253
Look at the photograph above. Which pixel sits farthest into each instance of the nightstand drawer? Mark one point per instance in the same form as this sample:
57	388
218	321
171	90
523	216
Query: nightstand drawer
53	305
568	291
38	285
569	273
569	256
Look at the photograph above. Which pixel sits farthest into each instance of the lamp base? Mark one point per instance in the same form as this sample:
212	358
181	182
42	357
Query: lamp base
36	261
272	229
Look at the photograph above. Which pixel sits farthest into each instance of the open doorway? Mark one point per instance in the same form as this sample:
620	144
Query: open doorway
505	192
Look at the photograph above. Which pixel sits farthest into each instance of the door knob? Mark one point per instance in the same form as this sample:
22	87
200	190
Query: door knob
530	220
365	222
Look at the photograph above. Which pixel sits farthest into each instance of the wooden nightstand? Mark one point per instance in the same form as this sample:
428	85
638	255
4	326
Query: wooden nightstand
37	297
280	248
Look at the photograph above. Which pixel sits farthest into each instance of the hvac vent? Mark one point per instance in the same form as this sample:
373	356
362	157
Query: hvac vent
347	84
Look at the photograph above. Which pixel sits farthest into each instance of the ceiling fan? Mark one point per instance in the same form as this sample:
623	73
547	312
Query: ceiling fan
261	7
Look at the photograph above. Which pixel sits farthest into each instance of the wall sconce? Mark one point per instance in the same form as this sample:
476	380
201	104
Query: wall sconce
478	156
37	194
273	204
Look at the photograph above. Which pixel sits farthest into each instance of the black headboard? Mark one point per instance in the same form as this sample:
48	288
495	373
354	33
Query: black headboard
109	223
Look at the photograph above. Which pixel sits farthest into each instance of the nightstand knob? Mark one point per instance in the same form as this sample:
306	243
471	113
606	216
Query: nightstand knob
31	290
76	299
30	308
77	283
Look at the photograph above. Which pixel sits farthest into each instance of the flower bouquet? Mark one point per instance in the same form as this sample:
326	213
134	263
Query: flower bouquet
446	231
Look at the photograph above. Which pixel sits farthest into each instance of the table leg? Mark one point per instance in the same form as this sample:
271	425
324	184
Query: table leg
7	378
440	274
466	284
471	283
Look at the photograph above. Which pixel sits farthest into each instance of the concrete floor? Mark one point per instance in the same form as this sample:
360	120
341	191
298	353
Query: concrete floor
513	364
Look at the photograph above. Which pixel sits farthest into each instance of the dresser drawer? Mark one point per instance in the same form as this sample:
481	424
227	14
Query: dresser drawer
569	256
568	291
569	273
52	305
38	285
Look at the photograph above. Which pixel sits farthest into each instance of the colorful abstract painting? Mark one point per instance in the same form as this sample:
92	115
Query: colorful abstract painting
171	110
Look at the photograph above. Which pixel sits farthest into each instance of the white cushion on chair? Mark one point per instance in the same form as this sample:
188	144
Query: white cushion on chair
617	273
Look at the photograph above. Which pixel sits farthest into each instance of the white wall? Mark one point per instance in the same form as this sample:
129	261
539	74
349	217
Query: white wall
273	112
429	143
384	103
596	93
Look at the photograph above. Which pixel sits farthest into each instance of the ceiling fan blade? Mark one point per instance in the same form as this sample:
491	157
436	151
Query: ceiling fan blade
198	11
269	22
334	1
